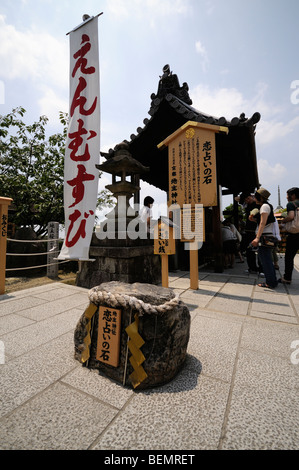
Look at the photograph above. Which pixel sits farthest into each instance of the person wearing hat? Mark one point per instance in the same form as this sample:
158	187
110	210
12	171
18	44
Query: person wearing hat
265	219
247	201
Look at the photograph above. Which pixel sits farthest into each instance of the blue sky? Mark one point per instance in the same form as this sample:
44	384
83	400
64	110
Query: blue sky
236	56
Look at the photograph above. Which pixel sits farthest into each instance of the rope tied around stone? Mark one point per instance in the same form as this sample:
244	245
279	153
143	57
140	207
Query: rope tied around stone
123	300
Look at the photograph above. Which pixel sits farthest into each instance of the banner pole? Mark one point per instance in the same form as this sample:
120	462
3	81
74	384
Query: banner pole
88	18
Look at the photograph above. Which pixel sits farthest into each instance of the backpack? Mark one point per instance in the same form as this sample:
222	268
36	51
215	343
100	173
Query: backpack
293	226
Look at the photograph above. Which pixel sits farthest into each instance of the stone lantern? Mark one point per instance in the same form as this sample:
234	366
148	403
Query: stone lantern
122	251
125	171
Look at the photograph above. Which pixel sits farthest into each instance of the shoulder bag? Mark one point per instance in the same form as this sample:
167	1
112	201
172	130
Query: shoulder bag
293	226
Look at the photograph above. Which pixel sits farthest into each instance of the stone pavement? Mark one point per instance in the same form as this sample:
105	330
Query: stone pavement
239	388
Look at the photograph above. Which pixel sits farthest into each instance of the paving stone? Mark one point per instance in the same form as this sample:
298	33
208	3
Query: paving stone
185	414
25	376
262	420
18	305
91	382
214	342
48	309
60	418
30	337
13	322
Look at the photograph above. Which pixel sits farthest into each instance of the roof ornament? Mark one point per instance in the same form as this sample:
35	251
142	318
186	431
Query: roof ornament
166	71
169	84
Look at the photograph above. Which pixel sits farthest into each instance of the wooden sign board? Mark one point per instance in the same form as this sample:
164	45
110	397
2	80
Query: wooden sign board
192	164
164	245
109	330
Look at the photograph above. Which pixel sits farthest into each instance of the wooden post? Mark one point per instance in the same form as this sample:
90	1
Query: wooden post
164	270
4	203
194	269
164	245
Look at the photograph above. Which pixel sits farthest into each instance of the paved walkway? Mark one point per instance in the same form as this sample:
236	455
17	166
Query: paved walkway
239	388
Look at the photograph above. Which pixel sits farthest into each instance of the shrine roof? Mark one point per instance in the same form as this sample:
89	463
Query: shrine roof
170	109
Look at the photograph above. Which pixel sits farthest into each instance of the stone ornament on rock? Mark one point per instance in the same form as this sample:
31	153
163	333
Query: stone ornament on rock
163	327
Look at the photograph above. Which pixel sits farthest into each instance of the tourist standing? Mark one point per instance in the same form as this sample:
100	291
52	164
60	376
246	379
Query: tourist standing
265	219
292	243
249	203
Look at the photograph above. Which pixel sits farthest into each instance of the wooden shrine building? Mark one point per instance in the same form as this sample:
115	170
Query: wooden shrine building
171	107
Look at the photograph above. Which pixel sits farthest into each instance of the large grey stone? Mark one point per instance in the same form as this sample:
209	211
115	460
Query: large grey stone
166	335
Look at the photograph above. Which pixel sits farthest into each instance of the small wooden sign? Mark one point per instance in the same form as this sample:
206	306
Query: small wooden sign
109	330
164	245
164	242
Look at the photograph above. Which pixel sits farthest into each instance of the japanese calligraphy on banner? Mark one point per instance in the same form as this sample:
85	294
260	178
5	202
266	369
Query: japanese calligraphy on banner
109	336
192	164
83	142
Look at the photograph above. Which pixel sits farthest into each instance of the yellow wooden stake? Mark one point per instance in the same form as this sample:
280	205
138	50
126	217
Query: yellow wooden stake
194	269
164	263
4	203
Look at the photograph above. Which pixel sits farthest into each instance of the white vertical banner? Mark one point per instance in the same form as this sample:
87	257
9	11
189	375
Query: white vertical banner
82	150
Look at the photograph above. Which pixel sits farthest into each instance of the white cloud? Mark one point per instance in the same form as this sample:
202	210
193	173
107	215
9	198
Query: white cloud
167	7
269	131
227	102
269	174
262	105
50	105
37	56
230	102
210	7
201	50
118	8
2	92
32	54
122	9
